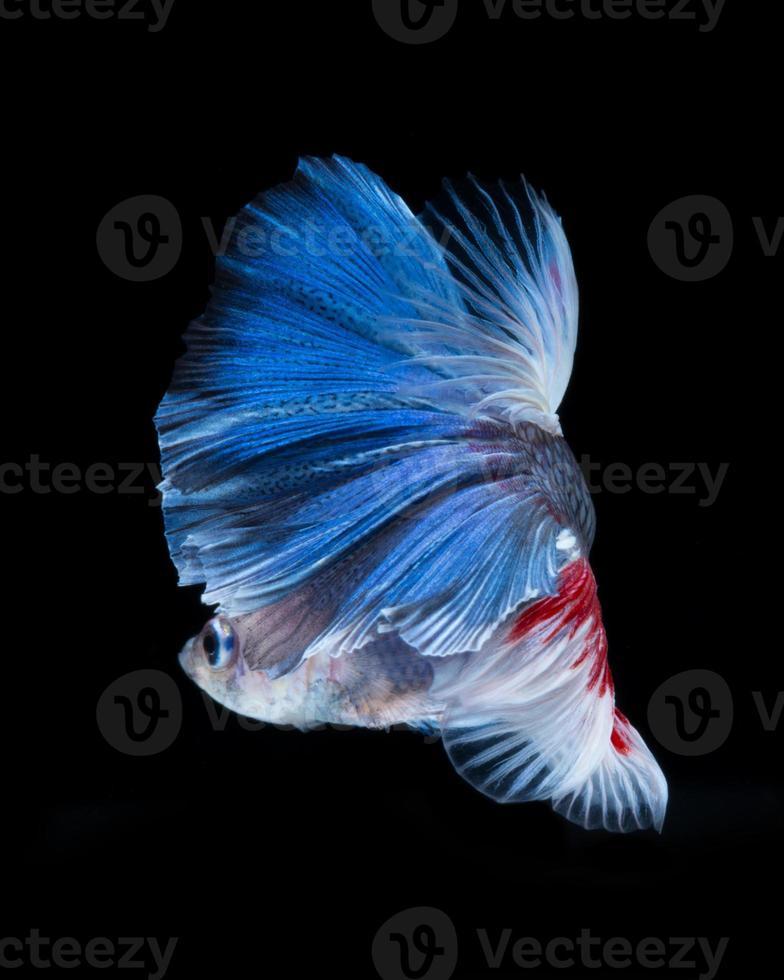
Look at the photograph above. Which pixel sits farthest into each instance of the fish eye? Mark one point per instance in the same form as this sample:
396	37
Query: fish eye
218	642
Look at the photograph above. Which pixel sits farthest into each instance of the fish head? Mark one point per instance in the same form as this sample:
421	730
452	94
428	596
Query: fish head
221	661
213	660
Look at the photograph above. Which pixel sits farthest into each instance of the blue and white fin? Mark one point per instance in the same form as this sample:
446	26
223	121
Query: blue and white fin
356	410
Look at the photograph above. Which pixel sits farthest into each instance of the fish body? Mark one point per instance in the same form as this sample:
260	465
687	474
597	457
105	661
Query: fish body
385	684
364	466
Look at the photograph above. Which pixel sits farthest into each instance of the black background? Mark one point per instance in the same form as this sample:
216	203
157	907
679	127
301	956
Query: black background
279	853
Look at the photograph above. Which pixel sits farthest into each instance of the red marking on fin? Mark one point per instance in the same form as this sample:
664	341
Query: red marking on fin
574	604
619	738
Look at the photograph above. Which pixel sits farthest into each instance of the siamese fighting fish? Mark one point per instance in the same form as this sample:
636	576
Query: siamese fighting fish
364	469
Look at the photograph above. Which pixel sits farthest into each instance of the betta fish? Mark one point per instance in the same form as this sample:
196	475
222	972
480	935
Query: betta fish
364	468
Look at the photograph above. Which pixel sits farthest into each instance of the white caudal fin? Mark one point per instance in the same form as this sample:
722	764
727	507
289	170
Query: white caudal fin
534	718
